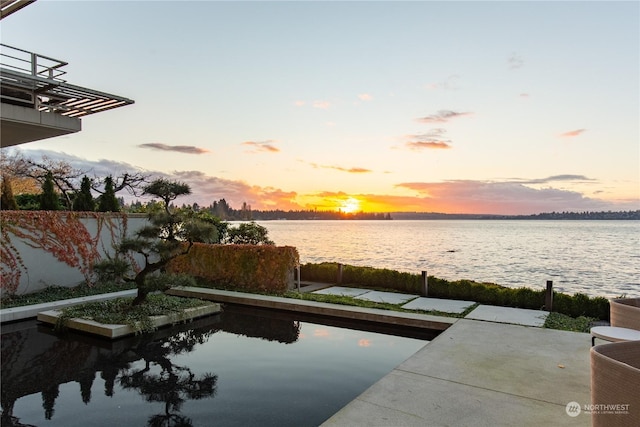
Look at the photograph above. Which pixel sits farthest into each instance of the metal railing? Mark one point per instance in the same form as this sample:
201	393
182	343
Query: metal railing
23	61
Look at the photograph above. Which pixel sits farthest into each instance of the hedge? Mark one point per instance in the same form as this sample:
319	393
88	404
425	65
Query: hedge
251	268
484	293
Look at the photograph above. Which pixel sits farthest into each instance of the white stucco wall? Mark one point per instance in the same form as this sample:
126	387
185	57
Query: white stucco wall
41	268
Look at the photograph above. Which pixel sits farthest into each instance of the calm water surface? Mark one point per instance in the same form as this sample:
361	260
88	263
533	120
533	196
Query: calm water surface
599	258
246	367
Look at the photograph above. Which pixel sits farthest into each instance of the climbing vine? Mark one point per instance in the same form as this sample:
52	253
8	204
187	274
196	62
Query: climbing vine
62	234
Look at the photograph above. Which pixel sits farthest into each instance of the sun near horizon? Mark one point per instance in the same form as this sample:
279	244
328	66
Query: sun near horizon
350	205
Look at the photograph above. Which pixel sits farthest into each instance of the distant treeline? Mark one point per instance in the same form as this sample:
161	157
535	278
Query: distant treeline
608	215
224	211
317	215
329	215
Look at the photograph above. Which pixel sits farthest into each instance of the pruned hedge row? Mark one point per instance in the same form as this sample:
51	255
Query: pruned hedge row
484	293
251	268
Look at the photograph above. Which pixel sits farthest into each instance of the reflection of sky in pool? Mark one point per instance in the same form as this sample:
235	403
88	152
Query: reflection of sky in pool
263	370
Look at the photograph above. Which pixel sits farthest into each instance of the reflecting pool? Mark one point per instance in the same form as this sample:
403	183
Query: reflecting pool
243	367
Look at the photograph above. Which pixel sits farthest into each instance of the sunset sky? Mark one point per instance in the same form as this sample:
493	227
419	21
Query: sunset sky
457	107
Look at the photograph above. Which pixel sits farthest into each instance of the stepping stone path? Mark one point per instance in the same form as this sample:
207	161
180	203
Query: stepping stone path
490	313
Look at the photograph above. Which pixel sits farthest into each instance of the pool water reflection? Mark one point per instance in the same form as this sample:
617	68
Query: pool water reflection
242	367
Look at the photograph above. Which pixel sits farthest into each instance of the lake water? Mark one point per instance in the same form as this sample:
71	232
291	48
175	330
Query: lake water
599	258
245	367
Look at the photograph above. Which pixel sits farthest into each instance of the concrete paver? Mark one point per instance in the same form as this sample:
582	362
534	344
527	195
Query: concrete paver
439	304
517	316
481	374
387	297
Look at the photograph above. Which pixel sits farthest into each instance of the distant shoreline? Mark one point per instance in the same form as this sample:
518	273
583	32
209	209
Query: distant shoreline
363	216
628	215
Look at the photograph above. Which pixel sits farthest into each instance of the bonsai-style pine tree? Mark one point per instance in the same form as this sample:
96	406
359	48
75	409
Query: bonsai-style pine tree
84	200
169	234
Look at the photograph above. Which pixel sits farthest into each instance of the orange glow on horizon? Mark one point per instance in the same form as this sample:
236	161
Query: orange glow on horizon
352	204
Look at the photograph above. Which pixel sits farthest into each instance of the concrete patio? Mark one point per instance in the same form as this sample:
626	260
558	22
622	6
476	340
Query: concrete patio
481	374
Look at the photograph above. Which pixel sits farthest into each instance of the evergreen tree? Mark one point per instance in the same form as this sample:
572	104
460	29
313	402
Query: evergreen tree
248	234
49	200
84	200
7	201
108	200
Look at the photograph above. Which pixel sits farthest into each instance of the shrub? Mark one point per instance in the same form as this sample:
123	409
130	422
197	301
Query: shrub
261	268
326	272
248	234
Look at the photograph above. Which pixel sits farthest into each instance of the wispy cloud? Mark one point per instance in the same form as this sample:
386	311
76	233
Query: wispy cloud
187	149
572	133
341	169
321	104
451	83
555	178
515	61
433	139
365	97
299	103
421	145
262	146
443	116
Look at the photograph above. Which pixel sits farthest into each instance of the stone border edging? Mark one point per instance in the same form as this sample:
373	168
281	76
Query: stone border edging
31	311
114	331
320	308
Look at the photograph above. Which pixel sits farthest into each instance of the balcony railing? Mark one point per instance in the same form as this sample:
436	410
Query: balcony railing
33	80
35	64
